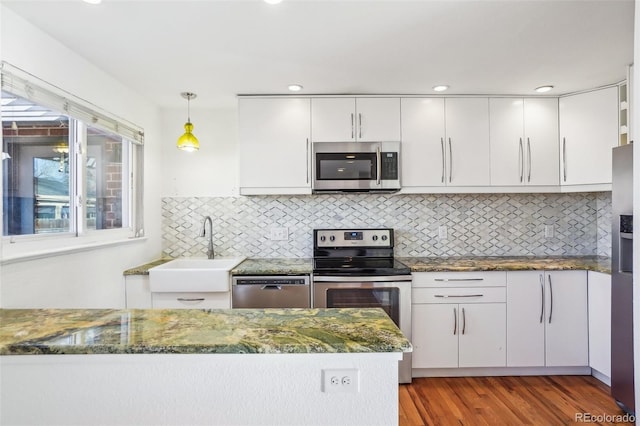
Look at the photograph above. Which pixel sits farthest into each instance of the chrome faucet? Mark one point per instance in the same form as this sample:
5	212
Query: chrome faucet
203	233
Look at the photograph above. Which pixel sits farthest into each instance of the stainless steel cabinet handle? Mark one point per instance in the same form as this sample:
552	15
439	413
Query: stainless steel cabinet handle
529	160
455	321
359	125
564	158
464	321
542	302
550	299
378	164
450	160
449	296
521	161
195	299
353	127
442	152
457	279
308	160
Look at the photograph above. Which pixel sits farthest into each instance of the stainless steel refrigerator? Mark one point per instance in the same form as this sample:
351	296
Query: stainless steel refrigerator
622	382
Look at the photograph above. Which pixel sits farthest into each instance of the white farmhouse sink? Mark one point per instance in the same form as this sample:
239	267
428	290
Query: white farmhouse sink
193	275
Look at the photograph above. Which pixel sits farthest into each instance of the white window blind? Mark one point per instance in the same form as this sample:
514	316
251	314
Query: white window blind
26	85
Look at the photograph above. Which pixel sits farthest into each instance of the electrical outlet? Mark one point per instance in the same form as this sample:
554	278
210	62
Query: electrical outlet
442	232
279	234
341	381
549	231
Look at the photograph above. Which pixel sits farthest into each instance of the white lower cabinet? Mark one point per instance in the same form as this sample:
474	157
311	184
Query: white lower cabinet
547	319
139	296
137	292
459	320
221	300
600	322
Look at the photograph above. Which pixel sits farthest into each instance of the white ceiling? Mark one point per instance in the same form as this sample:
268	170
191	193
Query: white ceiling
221	48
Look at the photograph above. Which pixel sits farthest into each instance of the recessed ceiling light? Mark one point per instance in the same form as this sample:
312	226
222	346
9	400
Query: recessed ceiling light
273	1
93	1
543	89
295	87
440	88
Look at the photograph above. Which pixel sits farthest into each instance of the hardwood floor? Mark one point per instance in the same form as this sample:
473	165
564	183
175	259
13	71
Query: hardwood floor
526	400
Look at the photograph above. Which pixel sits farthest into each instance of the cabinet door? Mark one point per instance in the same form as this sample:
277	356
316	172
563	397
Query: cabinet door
507	141
525	319
274	146
378	119
137	292
435	335
422	155
467	140
588	131
541	141
600	322
333	119
482	335
567	335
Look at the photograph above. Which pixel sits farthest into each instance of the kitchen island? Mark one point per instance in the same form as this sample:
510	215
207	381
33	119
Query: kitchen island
253	366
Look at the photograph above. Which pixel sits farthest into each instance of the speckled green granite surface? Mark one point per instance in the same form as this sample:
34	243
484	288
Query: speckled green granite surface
422	264
274	266
144	269
524	263
187	331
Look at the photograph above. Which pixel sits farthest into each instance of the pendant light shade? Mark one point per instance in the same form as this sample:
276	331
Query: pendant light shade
188	142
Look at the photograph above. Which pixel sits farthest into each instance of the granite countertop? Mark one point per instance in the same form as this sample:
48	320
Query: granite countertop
507	263
267	266
274	266
192	331
144	269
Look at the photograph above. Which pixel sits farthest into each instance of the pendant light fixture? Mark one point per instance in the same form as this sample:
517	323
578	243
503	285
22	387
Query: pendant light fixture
188	142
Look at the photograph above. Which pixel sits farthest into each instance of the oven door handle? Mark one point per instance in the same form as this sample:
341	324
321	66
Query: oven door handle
377	278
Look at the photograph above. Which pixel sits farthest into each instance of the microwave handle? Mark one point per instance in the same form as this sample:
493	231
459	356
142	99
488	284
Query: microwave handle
378	164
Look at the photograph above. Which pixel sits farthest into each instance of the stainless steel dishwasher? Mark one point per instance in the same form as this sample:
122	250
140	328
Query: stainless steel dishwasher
271	291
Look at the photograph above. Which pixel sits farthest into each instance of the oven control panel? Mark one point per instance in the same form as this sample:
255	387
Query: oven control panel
354	237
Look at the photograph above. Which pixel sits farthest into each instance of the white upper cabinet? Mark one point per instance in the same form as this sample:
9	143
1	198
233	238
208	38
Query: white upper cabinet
588	132
445	142
467	141
524	141
422	150
355	119
274	145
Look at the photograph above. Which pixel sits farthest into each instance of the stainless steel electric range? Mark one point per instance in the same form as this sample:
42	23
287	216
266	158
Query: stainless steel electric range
356	268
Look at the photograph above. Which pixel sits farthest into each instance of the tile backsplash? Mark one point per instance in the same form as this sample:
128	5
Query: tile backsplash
476	224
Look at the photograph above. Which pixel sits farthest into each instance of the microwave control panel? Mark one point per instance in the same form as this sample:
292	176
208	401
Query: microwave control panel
389	165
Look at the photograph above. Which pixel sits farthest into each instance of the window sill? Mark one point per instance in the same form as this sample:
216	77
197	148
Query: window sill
75	247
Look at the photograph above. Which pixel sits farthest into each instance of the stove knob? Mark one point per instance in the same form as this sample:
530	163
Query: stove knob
323	238
375	238
384	238
332	238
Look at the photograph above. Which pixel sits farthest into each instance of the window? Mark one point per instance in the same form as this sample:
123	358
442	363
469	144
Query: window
67	168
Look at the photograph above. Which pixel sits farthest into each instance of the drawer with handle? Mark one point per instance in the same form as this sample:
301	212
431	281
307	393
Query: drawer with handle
460	279
208	300
459	295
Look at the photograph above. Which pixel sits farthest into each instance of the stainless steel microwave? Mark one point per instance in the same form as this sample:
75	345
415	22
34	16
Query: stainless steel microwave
356	166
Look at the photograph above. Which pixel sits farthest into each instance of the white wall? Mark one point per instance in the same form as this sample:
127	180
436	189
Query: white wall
211	171
91	278
196	389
